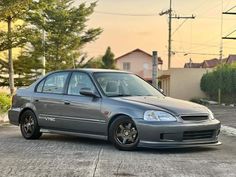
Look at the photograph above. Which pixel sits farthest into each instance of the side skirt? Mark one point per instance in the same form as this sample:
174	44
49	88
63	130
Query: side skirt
101	137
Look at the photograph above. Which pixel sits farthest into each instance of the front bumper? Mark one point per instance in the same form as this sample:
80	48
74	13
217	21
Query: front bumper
178	134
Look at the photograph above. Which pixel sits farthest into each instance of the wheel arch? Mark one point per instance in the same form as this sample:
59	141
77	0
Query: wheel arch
23	110
112	119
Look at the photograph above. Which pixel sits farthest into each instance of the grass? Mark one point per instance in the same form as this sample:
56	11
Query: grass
5	103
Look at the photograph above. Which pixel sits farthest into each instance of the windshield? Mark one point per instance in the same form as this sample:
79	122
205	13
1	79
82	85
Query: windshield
124	84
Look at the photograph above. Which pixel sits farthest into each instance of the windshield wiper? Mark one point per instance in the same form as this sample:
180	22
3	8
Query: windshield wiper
120	95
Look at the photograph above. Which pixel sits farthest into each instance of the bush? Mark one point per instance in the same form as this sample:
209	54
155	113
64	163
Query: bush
5	102
210	83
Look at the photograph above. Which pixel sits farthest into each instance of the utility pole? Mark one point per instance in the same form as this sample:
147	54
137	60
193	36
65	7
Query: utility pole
169	36
171	16
44	58
154	68
43	45
221	55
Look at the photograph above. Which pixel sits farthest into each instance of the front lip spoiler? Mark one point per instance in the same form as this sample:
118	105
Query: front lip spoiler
162	145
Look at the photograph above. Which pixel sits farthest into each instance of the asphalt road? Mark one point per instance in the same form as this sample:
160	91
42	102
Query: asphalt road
226	114
60	156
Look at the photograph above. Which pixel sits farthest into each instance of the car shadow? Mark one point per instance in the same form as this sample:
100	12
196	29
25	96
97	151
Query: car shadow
177	150
72	139
108	145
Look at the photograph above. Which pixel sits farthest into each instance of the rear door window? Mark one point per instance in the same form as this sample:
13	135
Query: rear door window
55	83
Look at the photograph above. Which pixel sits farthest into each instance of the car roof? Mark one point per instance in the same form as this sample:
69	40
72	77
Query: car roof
94	70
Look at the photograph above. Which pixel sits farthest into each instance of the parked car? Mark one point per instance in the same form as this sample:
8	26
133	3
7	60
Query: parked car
112	105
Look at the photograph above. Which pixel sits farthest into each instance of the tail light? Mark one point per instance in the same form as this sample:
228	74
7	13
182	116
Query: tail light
13	100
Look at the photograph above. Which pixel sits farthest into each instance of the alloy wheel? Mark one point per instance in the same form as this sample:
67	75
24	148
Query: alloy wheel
126	133
28	125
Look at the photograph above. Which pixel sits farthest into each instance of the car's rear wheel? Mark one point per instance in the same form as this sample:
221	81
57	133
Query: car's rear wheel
29	125
123	133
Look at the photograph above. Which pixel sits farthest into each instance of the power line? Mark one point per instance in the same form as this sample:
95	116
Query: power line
179	27
221	53
200	6
195	53
229	12
230	33
125	14
202	44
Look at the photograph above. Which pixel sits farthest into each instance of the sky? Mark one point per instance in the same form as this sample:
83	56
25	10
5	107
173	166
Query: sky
125	33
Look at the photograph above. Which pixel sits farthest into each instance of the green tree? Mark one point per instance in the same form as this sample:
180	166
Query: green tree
10	11
26	70
66	31
210	83
108	61
93	63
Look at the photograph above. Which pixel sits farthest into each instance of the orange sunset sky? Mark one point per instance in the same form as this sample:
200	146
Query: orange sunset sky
150	32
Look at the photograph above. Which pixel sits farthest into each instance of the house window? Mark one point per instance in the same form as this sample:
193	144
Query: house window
145	66
126	66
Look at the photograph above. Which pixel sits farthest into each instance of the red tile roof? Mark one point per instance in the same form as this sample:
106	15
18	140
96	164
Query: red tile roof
231	59
210	63
139	50
192	65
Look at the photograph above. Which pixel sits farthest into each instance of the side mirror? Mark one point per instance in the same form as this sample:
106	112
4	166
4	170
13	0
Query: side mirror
162	91
88	92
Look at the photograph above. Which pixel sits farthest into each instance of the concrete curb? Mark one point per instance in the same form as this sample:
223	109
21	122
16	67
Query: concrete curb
228	130
4	119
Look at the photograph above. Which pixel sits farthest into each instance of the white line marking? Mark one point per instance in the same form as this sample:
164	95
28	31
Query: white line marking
228	130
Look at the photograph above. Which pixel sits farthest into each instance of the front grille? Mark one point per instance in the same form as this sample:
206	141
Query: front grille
194	118
193	135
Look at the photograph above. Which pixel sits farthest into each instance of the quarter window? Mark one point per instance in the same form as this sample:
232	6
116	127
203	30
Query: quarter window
40	86
55	83
78	81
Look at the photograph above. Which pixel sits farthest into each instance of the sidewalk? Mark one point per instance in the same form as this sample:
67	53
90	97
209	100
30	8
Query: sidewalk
4	118
226	114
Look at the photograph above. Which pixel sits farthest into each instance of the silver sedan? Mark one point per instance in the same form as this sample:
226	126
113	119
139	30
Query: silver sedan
112	105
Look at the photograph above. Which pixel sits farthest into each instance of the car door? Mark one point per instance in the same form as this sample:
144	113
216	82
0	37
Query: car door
82	113
49	99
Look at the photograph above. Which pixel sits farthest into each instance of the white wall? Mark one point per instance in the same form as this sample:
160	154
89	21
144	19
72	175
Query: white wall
185	82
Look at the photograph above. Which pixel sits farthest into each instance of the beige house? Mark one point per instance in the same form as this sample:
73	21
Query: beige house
138	62
182	83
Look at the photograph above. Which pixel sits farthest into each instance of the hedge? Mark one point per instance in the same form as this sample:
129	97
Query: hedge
5	102
210	83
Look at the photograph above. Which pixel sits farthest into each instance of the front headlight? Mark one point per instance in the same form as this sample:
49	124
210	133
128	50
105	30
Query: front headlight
152	115
211	115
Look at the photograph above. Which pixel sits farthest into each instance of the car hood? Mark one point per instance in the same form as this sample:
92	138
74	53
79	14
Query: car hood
175	106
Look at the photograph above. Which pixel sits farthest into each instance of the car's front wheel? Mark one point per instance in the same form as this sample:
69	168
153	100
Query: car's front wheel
123	133
29	125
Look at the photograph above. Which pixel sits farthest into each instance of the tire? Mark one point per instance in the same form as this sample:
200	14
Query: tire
29	125
123	133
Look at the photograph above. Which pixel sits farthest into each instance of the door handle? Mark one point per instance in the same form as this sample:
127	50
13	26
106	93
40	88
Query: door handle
66	102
